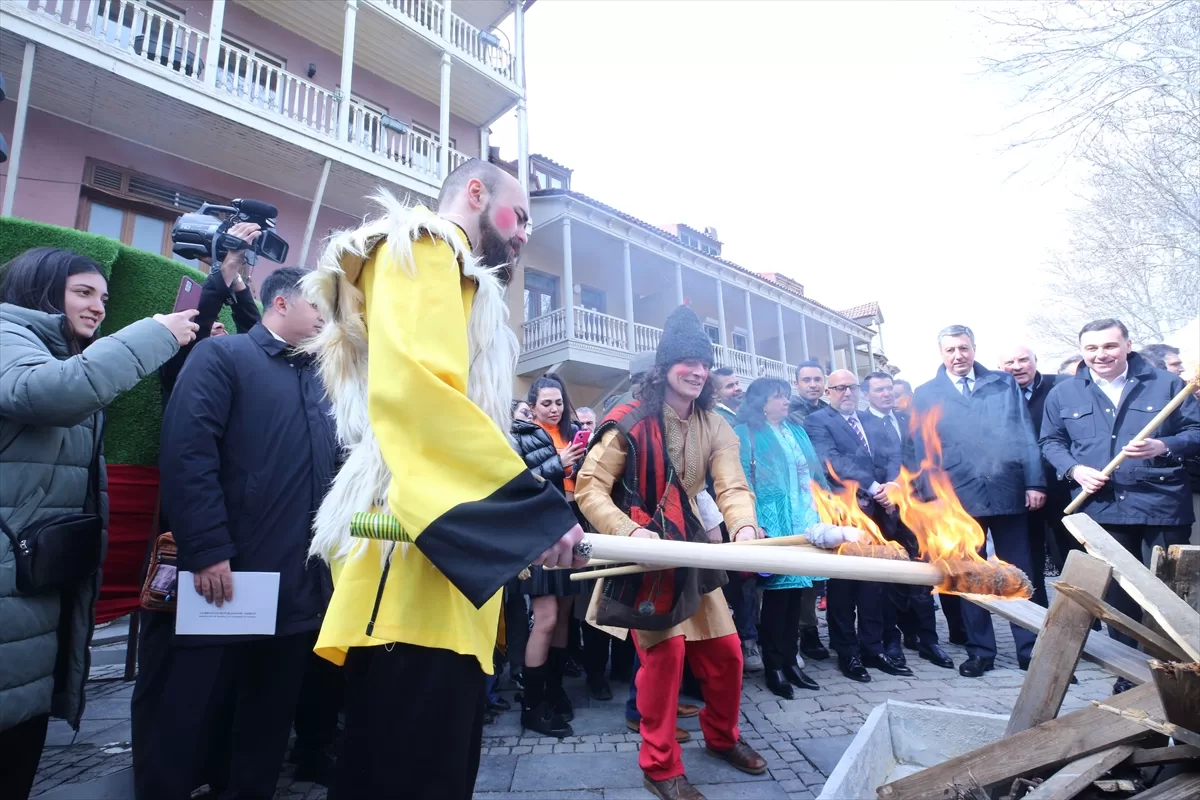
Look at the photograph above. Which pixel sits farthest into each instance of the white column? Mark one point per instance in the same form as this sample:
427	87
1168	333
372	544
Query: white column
630	324
829	339
347	68
310	228
854	356
871	354
779	323
804	338
18	141
522	112
212	55
749	326
724	339
446	18
568	289
678	283
444	118
485	143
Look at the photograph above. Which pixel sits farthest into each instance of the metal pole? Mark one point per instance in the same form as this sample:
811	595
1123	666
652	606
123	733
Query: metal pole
313	212
18	142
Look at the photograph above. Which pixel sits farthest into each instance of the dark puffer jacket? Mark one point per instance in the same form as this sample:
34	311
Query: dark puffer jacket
537	448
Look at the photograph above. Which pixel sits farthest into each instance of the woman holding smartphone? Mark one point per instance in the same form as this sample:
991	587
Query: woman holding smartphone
551	451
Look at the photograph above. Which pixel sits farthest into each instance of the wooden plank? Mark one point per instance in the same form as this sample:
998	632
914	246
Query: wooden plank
1064	631
1100	648
1155	643
1178	619
1179	689
1031	752
1075	777
1152	756
1181	787
1151	722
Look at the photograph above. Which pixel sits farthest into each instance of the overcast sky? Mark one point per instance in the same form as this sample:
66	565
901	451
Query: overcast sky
851	145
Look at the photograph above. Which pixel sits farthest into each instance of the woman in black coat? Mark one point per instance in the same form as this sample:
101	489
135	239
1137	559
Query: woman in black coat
546	445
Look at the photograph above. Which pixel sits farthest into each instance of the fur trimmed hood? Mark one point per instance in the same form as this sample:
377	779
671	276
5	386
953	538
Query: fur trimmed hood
341	352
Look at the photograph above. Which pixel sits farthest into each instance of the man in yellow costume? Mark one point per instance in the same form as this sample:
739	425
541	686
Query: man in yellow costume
418	359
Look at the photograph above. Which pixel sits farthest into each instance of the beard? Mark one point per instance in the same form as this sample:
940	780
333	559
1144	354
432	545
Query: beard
495	250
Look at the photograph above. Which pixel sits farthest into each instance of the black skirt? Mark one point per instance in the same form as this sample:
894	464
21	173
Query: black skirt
555	582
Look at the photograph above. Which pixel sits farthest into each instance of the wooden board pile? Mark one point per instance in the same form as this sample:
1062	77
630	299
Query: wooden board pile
1142	744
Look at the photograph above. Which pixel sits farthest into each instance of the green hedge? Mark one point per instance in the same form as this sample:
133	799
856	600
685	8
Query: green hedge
139	284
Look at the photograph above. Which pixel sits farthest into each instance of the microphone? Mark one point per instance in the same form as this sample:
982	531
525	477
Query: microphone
256	208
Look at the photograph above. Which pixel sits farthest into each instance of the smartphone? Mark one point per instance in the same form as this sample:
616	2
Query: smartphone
581	438
188	296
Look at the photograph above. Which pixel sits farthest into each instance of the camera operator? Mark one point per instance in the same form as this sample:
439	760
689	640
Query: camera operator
224	284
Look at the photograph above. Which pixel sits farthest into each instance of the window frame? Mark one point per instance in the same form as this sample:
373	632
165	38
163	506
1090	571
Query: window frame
554	295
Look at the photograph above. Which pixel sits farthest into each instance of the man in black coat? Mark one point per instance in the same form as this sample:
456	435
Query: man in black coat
908	609
855	456
991	457
1096	414
248	453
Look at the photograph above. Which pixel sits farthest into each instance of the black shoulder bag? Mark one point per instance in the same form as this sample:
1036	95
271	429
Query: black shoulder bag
60	551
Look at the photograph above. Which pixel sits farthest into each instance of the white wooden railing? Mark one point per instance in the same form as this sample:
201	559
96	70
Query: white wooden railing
645	338
275	90
736	360
770	368
546	330
467	37
426	13
141	30
596	328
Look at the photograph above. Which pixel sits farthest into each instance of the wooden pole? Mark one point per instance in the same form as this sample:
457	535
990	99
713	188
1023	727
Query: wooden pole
1187	391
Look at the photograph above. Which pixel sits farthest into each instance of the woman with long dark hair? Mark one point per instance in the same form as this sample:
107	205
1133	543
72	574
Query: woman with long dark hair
56	376
546	445
780	465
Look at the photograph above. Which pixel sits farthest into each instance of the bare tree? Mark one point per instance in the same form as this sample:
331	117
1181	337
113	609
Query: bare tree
1115	84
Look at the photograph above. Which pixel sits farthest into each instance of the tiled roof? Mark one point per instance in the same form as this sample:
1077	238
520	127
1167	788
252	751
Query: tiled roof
583	198
864	311
552	162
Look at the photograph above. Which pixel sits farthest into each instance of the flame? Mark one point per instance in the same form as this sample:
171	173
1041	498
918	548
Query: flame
842	508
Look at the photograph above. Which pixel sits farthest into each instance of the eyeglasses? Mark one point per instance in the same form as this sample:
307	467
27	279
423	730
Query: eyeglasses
846	388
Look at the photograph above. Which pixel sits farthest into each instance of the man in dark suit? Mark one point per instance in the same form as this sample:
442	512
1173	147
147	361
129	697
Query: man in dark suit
908	609
991	457
863	462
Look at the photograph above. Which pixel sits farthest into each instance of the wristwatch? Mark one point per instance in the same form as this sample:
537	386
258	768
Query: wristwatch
1070	473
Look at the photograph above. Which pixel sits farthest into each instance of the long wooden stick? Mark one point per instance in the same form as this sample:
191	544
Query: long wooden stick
780	561
634	569
1187	391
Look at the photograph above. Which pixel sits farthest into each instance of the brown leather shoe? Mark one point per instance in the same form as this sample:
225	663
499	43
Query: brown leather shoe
742	757
687	710
680	734
679	788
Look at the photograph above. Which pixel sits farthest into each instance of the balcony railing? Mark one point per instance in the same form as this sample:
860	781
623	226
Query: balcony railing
544	331
425	13
479	46
596	328
645	338
275	90
770	368
736	360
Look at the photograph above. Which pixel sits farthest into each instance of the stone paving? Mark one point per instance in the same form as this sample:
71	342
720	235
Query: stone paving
802	739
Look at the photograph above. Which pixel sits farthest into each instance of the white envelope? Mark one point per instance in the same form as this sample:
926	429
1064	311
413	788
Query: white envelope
252	610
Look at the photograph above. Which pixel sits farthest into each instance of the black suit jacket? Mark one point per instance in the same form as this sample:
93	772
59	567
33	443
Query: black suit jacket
840	449
1042	384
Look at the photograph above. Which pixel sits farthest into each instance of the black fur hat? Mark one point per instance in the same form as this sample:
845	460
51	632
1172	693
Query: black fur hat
683	338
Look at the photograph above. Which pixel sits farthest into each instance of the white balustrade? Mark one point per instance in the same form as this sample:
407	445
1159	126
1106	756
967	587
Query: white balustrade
736	360
468	38
426	13
770	368
546	330
645	338
146	32
275	90
596	328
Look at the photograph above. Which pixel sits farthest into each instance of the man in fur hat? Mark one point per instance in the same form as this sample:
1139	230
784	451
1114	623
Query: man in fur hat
651	459
419	360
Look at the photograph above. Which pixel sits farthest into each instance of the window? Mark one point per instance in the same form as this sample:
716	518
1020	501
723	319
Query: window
740	341
541	294
425	150
592	298
249	73
142	231
713	331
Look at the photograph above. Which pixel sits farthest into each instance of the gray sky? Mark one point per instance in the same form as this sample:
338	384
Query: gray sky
851	145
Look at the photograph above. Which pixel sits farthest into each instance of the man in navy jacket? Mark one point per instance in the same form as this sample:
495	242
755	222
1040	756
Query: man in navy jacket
248	452
1094	415
991	456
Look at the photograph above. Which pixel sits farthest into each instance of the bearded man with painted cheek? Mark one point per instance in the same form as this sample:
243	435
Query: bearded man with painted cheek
652	458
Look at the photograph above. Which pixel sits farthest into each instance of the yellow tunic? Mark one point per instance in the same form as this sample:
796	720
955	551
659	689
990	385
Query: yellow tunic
702	445
459	491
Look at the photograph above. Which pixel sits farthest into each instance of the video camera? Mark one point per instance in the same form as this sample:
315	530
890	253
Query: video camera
203	233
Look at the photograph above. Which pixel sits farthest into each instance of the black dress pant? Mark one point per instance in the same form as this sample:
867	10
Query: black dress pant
20	753
1010	537
218	714
907	610
414	724
1132	538
321	696
596	647
778	632
844	602
1039	533
516	625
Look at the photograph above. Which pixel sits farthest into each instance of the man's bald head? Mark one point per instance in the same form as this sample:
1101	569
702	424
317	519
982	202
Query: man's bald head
1020	362
843	390
491	208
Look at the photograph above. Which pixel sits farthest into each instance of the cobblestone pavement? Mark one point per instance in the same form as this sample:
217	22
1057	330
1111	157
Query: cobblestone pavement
801	739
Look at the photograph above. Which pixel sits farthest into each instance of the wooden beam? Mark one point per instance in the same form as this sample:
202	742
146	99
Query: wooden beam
1064	631
1151	722
1180	570
1179	689
1117	658
1033	751
1179	620
1152	756
1075	777
1155	644
1181	787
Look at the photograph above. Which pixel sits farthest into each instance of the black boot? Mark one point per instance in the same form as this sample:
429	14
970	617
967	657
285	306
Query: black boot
536	713
555	695
777	682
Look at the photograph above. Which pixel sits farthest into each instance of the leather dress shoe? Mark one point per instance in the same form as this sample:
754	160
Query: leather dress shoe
1122	685
499	704
1023	663
685	710
743	757
598	687
975	666
811	647
677	788
853	669
778	683
680	734
796	677
896	653
885	663
936	656
910	642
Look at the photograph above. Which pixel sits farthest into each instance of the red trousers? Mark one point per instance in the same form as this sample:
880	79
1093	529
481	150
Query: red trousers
717	664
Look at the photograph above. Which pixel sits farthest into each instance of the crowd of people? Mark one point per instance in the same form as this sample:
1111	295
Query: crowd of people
332	406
